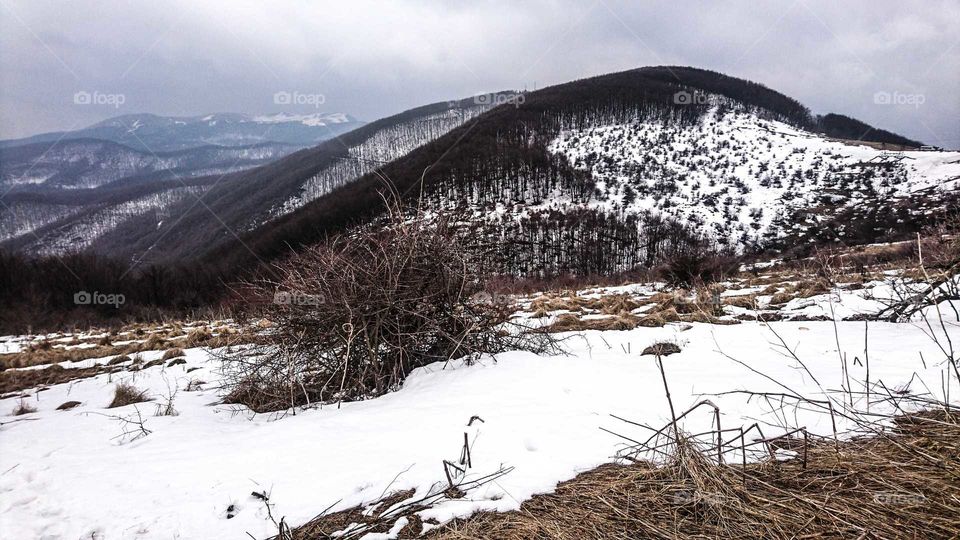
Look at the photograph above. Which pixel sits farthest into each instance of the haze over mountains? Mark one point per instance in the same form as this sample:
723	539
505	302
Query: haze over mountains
152	133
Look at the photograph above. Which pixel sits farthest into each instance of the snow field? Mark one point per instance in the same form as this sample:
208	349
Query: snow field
69	474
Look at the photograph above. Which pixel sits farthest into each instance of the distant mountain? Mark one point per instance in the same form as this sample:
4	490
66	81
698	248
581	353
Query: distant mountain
152	133
90	163
135	197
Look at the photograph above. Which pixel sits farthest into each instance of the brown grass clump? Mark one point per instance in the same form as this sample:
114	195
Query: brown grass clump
900	485
197	338
38	346
17	380
127	394
565	322
50	355
119	359
172	353
571	302
616	304
747	301
668	315
23	408
651	321
325	526
780	298
568	322
152	343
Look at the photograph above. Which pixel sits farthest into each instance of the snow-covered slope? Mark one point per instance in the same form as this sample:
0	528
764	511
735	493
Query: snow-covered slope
741	177
382	146
88	472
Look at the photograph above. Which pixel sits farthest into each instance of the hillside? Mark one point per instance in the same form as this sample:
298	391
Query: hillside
608	173
245	201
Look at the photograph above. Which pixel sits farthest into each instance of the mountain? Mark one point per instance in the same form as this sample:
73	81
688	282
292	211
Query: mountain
623	170
597	175
134	218
154	134
90	163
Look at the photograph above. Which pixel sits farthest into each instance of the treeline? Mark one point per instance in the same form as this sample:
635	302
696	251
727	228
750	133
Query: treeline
496	164
844	127
83	290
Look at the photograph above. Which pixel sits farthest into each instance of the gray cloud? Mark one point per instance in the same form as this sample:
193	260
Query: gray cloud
372	59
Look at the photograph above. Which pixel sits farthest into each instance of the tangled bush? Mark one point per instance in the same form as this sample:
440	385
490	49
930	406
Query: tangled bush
354	316
697	267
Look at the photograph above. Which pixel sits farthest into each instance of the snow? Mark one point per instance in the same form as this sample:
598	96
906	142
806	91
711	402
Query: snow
739	175
316	119
68	474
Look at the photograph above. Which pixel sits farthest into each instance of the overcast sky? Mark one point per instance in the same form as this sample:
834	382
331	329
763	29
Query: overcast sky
372	59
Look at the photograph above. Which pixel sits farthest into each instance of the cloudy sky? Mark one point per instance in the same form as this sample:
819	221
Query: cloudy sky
371	59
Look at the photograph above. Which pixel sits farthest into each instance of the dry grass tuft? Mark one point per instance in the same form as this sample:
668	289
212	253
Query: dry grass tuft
172	353
127	394
568	322
23	408
197	338
119	359
900	485
17	380
152	343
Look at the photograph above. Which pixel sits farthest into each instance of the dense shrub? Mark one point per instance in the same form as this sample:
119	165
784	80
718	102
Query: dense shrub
352	317
697	267
126	393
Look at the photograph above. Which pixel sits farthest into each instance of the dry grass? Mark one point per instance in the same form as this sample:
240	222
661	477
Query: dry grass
23	408
568	322
326	526
18	380
905	484
127	394
172	353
